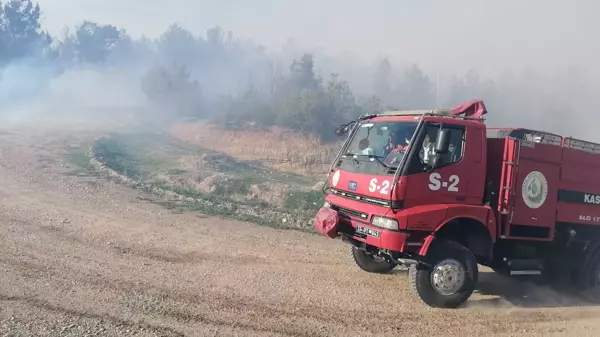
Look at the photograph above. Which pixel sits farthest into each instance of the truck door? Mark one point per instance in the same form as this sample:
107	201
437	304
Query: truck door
530	188
448	183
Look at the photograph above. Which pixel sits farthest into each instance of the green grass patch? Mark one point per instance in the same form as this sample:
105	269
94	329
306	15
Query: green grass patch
184	191
78	156
227	211
150	157
175	172
233	186
115	155
252	172
211	197
304	201
132	155
211	204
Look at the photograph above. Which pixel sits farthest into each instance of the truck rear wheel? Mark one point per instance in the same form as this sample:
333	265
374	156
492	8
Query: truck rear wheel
589	275
370	262
450	280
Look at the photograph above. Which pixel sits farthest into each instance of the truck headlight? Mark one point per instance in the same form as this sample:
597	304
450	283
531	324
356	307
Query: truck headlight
386	223
326	204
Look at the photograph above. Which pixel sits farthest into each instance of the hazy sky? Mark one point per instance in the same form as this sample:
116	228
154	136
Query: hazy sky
445	34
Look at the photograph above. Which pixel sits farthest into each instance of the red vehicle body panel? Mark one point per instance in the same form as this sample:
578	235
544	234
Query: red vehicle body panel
470	180
579	172
544	158
570	174
392	240
341	180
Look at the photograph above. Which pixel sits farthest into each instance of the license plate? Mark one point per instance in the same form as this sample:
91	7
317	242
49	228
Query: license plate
368	231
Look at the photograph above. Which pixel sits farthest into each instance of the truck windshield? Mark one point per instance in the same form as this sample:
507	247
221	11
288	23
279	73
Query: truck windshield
385	142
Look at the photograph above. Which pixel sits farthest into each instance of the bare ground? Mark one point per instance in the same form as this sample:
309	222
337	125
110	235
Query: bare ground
80	256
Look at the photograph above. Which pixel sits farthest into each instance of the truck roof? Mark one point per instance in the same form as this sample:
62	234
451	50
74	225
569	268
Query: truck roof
434	112
415	112
473	109
543	137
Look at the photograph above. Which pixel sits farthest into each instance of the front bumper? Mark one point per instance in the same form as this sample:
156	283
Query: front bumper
333	223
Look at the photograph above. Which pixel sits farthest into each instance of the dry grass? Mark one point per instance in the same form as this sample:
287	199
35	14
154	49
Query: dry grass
276	148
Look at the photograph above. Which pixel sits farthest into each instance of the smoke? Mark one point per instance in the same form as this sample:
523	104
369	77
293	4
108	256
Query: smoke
535	62
42	94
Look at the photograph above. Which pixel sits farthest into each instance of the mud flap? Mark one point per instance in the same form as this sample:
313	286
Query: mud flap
326	222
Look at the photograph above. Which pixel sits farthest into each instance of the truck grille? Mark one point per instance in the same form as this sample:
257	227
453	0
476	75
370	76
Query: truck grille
350	212
369	200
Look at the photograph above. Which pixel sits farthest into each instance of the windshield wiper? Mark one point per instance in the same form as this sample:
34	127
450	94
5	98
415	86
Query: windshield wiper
370	156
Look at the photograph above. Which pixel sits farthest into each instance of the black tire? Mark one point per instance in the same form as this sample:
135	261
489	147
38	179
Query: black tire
588	277
558	275
368	262
587	273
420	276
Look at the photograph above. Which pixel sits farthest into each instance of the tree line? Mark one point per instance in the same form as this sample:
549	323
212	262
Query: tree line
240	83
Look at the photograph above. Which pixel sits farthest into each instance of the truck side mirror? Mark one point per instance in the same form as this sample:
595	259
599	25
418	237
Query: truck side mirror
442	143
435	160
344	128
341	130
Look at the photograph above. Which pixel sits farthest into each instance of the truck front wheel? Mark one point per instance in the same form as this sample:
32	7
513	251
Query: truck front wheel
449	280
370	262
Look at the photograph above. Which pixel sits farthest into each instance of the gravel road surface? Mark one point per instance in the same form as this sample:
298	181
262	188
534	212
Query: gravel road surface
81	256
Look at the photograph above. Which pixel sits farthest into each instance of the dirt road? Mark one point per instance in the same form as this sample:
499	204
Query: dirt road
80	256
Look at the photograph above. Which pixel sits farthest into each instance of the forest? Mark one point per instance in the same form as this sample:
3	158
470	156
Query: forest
240	83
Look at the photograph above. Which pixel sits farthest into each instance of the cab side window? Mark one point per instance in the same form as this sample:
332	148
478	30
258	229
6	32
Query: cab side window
456	146
425	147
457	143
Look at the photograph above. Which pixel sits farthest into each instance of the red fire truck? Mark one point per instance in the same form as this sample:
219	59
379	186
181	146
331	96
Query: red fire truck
438	191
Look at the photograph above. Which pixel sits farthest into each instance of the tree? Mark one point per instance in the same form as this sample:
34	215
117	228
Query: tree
179	45
382	82
216	37
416	91
248	108
274	76
472	86
93	42
458	91
302	73
342	100
173	89
372	105
20	31
319	110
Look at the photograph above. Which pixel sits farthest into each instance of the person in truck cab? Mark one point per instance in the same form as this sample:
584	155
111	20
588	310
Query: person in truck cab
397	141
428	148
392	143
397	144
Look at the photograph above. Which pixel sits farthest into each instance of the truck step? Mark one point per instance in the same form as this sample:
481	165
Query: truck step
524	264
525	272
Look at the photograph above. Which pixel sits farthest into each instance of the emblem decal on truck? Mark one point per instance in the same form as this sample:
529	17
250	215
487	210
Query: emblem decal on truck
534	189
335	178
435	182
